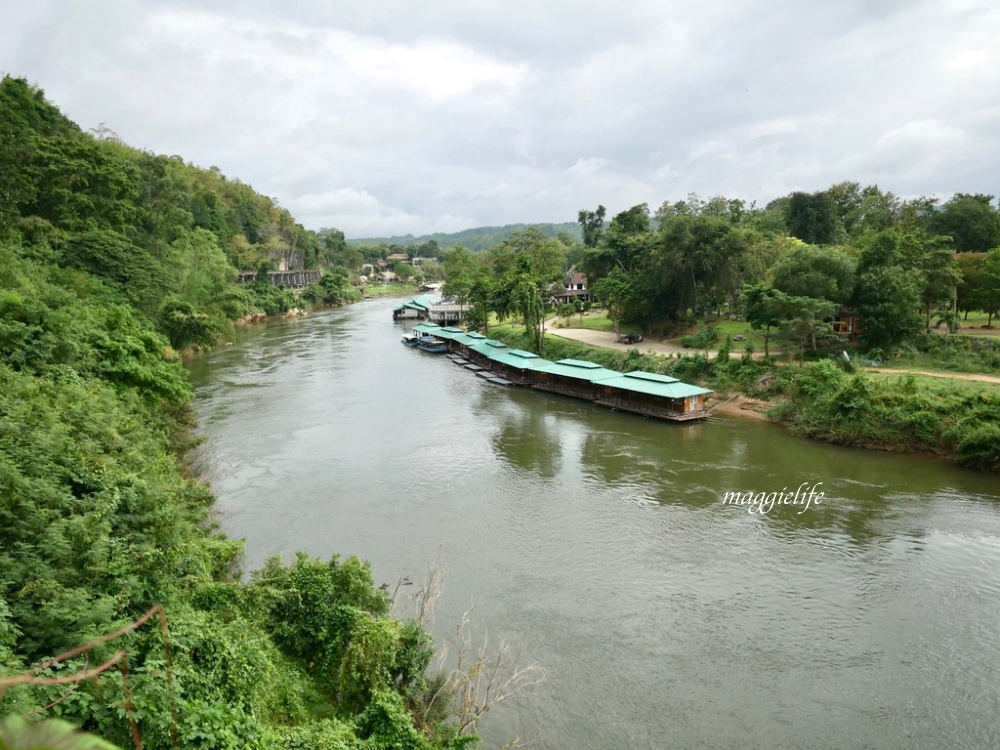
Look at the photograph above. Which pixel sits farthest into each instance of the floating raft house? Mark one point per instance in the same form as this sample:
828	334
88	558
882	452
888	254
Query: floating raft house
646	393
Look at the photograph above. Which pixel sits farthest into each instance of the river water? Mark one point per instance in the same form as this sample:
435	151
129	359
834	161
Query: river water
599	544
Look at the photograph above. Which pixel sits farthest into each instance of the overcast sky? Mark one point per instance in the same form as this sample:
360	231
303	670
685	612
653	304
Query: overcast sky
392	116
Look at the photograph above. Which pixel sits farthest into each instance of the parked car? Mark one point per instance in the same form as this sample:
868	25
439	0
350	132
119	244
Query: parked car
632	338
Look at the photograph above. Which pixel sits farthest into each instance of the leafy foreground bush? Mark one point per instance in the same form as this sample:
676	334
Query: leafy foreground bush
99	523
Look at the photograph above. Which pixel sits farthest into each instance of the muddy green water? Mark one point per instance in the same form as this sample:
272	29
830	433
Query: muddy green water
598	542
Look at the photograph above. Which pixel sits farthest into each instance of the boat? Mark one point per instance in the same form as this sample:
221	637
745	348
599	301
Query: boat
411	339
432	344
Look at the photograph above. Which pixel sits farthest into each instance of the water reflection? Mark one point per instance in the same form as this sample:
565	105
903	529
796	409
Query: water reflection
522	437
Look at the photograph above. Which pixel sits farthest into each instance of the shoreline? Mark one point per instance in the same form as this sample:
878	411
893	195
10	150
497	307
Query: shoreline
743	407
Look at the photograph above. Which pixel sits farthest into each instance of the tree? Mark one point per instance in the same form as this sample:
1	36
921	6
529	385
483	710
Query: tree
847	198
888	300
481	296
970	220
805	323
939	277
592	223
697	259
462	268
616	291
970	266
812	217
990	286
333	247
761	310
520	293
879	211
545	256
824	273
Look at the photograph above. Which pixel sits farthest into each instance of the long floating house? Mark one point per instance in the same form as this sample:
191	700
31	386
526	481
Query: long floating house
647	393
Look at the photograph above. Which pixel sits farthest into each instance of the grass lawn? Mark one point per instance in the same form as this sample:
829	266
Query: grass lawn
731	328
391	290
597	320
977	320
734	328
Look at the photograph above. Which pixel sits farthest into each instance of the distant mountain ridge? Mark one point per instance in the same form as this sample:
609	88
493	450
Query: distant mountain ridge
477	238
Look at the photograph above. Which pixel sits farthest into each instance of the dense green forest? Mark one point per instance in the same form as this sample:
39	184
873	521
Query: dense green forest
112	259
811	270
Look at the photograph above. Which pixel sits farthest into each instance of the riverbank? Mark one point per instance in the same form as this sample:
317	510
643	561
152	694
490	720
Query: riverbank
958	420
742	407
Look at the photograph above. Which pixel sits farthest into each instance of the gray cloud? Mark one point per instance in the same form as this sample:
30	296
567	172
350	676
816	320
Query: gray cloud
397	116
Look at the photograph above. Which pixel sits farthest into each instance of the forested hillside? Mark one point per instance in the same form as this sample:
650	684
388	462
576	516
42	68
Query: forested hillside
110	259
477	239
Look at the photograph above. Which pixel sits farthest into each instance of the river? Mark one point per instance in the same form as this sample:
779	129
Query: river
598	542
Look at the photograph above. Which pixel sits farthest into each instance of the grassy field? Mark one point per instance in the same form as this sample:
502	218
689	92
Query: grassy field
391	290
977	320
597	320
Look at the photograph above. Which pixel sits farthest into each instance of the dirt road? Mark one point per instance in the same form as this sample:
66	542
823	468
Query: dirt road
607	340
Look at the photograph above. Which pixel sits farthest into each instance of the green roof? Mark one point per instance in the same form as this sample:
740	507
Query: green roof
423	302
654	377
488	347
428	327
575	368
579	363
469	339
515	358
650	383
449	333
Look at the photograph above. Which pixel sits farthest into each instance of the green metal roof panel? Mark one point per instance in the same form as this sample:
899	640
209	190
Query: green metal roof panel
675	390
449	334
427	327
468	339
579	363
488	346
575	368
423	302
655	377
515	358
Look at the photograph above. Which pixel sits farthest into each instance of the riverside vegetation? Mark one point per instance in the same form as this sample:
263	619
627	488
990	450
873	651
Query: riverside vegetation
802	272
111	260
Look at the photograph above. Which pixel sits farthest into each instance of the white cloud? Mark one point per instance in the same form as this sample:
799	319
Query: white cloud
911	148
395	117
586	167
